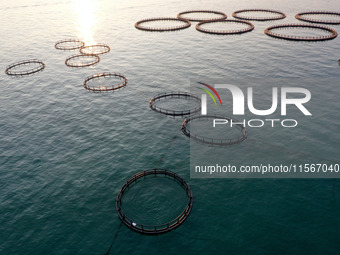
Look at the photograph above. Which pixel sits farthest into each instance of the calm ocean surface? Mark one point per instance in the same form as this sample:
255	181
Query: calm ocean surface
65	152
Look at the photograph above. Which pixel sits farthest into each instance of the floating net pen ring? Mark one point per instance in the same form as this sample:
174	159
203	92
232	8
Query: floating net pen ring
281	15
91	49
223	15
63	44
186	24
213	141
175	113
115	86
154	229
332	33
299	16
95	60
225	32
9	69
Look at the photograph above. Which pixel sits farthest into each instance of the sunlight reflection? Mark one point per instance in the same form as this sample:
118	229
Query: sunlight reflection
86	20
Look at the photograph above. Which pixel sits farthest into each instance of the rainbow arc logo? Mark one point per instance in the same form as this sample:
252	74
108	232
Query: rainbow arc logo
204	97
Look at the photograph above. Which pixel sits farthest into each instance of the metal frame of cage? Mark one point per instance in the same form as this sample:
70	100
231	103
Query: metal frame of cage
83	49
213	141
333	33
105	88
282	15
299	16
225	32
97	59
174	113
165	29
223	15
58	47
26	72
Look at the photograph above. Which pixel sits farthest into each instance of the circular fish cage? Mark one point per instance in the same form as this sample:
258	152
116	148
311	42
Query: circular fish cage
82	60
300	16
69	44
103	87
332	33
154	229
139	25
221	15
96	49
279	15
249	27
10	69
213	141
171	95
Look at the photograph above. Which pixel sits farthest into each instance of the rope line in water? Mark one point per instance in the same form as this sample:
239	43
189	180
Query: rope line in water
114	239
160	160
167	148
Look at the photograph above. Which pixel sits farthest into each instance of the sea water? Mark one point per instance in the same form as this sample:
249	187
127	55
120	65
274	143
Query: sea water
66	152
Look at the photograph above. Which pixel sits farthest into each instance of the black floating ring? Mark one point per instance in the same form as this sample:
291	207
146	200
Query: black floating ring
212	141
39	68
154	229
174	113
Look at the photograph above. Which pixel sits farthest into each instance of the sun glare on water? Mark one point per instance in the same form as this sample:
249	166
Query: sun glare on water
85	20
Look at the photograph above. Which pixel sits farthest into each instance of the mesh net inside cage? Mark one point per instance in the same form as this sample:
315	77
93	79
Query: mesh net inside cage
102	82
301	32
175	104
321	17
201	15
225	27
25	67
150	199
259	14
162	24
69	44
154	201
199	128
95	49
82	60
